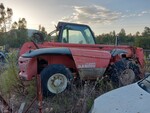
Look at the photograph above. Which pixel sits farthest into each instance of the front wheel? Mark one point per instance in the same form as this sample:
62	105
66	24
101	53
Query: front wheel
55	79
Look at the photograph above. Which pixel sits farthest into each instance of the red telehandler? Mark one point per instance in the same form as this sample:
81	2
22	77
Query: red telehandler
72	54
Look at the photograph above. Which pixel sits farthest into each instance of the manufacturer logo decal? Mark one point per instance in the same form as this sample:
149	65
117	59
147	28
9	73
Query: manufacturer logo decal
87	65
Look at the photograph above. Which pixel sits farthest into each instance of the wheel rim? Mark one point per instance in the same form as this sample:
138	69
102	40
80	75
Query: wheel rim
127	77
57	83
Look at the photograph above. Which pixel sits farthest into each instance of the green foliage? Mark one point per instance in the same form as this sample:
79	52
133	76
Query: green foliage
14	38
105	39
123	39
143	42
8	78
9	81
90	102
122	33
30	89
146	31
108	39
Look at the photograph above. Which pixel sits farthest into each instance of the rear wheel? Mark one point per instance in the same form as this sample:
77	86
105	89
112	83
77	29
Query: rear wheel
55	79
124	72
127	77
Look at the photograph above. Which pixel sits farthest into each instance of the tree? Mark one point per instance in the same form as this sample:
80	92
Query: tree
146	31
42	29
122	33
14	25
112	33
22	23
5	18
18	34
137	33
142	42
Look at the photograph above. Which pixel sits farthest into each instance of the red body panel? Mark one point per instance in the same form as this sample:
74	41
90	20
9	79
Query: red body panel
87	59
28	67
90	63
139	51
93	58
29	45
140	56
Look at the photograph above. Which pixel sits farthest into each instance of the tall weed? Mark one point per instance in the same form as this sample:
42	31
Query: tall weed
8	77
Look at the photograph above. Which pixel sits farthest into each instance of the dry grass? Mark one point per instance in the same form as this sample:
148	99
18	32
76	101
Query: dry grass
78	100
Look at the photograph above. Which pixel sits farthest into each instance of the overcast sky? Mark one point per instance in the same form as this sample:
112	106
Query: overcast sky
102	16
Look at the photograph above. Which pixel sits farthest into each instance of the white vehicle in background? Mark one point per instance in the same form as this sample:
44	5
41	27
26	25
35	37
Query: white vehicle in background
134	98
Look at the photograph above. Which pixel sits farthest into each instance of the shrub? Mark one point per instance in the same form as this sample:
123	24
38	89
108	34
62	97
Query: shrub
8	77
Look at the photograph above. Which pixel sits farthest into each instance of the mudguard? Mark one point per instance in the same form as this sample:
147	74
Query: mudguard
46	51
28	62
115	52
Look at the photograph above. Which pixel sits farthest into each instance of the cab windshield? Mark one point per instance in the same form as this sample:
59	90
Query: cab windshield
77	34
73	34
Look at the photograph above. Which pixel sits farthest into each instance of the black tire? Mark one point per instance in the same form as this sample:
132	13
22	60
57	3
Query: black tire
124	72
55	79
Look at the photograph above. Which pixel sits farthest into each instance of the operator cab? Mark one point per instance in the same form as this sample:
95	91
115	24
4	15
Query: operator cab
72	33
